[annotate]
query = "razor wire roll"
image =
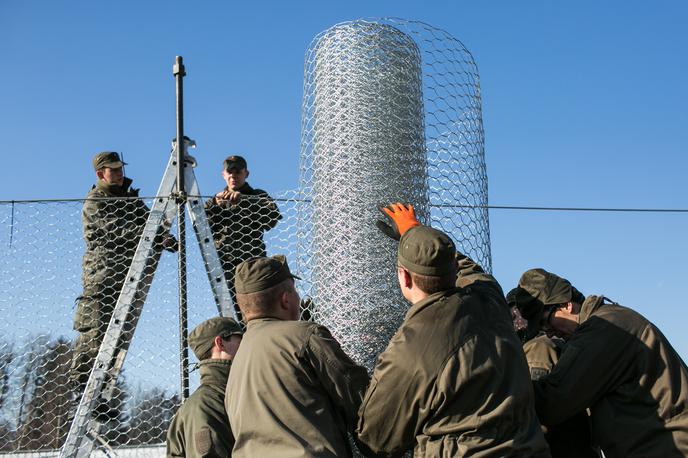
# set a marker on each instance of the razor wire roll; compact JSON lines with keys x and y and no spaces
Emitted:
{"x":391,"y":112}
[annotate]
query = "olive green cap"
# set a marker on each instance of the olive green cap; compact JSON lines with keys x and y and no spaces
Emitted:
{"x":427,"y":251}
{"x":257,"y":274}
{"x":234,"y":162}
{"x":108,"y":159}
{"x":202,"y":338}
{"x":538,"y":289}
{"x":546,"y":287}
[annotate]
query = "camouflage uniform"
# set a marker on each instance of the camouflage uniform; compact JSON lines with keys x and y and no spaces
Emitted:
{"x":621,"y":367}
{"x":200,"y":429}
{"x":453,"y":380}
{"x":113,"y":221}
{"x":238,"y":228}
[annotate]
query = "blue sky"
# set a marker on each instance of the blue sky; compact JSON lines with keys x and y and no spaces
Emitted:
{"x":584,"y":104}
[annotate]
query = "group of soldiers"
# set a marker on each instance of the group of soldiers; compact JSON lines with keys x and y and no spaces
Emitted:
{"x":543,"y":371}
{"x":113,"y":219}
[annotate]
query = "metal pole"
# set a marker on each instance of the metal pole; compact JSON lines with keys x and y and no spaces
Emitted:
{"x":179,"y":73}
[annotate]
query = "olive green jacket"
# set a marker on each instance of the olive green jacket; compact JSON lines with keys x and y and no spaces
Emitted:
{"x":621,"y":367}
{"x":238,"y":228}
{"x":453,"y":380}
{"x":292,"y":392}
{"x":113,"y":220}
{"x":573,"y":437}
{"x":200,"y":428}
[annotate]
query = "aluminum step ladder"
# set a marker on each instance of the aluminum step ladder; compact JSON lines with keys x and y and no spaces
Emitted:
{"x":85,"y":432}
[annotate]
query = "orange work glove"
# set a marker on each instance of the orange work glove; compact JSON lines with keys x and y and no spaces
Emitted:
{"x":404,"y":218}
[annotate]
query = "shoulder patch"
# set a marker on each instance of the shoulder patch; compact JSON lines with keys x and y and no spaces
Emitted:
{"x":203,"y":441}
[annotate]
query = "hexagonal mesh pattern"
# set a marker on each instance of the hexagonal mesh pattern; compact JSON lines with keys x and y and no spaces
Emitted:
{"x":391,"y":112}
{"x":42,"y":273}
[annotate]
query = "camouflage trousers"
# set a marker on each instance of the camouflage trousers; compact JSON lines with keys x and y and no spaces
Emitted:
{"x":91,"y":322}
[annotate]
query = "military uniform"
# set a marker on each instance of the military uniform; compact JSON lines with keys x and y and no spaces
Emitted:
{"x":621,"y":367}
{"x":292,"y":391}
{"x":200,"y":427}
{"x":113,"y":220}
{"x":573,"y":437}
{"x":453,"y":380}
{"x":238,"y":228}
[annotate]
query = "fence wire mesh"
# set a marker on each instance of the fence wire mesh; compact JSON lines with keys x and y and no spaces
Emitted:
{"x":391,"y":111}
{"x":42,"y":273}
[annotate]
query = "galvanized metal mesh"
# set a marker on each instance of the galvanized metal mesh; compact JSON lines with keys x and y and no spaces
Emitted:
{"x":41,"y":253}
{"x":391,"y":112}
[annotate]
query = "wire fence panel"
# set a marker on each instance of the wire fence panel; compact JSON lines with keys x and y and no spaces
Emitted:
{"x":59,"y":281}
{"x":43,"y":278}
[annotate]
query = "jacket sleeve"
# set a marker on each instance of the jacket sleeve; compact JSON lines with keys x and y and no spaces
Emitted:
{"x":471,"y":274}
{"x":391,"y":410}
{"x":175,"y":440}
{"x":594,"y":362}
{"x":344,"y":380}
{"x":200,"y":431}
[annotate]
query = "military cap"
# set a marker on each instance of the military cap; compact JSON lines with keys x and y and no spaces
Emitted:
{"x":427,"y":251}
{"x":202,"y":338}
{"x":107,"y":159}
{"x":234,"y":162}
{"x":538,"y":289}
{"x":258,"y":274}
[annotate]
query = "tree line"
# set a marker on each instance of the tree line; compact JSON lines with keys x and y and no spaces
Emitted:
{"x":37,"y":401}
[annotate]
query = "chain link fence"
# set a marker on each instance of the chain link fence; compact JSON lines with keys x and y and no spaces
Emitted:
{"x":391,"y":111}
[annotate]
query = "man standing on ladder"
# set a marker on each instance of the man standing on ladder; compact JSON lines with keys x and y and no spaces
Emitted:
{"x":113,"y":219}
{"x":238,"y":217}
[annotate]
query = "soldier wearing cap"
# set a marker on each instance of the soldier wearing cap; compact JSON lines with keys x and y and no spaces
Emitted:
{"x":573,"y":437}
{"x":453,"y":380}
{"x":239,"y":215}
{"x":200,"y":428}
{"x":113,"y":219}
{"x":292,"y":390}
{"x":615,"y":363}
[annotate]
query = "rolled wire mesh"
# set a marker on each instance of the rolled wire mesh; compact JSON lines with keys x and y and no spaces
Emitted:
{"x":391,"y":112}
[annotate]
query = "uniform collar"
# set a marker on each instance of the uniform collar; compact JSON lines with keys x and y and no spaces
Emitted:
{"x":590,"y":305}
{"x":420,"y":305}
{"x":256,"y":321}
{"x":214,"y":371}
{"x":114,"y":190}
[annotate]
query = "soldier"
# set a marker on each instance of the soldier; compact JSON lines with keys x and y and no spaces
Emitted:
{"x":453,"y":380}
{"x":292,"y":390}
{"x":573,"y":437}
{"x":238,"y":217}
{"x":615,"y":363}
{"x":113,"y":219}
{"x":200,"y":427}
